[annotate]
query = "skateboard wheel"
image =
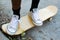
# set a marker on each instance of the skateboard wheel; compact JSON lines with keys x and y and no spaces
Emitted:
{"x":23,"y":34}
{"x":50,"y":19}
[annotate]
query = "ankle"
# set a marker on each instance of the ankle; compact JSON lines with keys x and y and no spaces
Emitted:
{"x":16,"y":12}
{"x":33,"y":10}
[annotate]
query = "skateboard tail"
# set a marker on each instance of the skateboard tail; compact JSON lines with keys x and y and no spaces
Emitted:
{"x":53,"y":9}
{"x":47,"y":12}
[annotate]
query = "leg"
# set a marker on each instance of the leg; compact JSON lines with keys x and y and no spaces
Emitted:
{"x":35,"y":16}
{"x":34,"y":4}
{"x":13,"y":25}
{"x":16,"y":5}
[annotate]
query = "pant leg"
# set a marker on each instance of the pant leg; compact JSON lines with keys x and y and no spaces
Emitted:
{"x":34,"y":4}
{"x":16,"y":6}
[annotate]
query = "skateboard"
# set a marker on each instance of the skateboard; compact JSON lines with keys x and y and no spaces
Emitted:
{"x":26,"y":23}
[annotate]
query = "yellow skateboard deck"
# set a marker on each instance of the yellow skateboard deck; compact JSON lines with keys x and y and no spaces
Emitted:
{"x":26,"y":23}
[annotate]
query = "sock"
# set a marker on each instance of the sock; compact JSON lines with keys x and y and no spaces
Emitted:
{"x":17,"y":12}
{"x":34,"y":4}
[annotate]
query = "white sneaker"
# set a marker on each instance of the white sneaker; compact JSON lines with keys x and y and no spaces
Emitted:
{"x":13,"y":25}
{"x":35,"y":18}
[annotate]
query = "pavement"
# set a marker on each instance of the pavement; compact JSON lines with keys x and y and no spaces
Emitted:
{"x":49,"y":31}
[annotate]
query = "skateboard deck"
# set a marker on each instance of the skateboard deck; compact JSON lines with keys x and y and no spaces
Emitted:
{"x":26,"y":23}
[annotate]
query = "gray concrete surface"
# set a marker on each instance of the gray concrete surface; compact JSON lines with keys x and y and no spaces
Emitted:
{"x":2,"y":37}
{"x":50,"y":30}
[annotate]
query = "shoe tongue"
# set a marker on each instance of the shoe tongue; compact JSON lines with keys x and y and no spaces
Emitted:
{"x":36,"y":16}
{"x":14,"y":20}
{"x":15,"y":16}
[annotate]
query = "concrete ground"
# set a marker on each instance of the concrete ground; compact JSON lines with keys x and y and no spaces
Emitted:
{"x":49,"y":31}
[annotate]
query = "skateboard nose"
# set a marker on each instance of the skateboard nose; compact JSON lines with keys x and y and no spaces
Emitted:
{"x":54,"y":9}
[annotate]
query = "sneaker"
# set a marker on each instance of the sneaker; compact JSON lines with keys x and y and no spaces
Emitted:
{"x":35,"y":18}
{"x":13,"y":25}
